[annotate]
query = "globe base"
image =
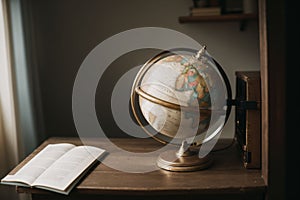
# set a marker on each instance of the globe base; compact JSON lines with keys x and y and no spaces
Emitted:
{"x":172,"y":160}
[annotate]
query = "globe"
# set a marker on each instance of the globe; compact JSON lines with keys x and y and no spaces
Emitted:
{"x":182,"y":94}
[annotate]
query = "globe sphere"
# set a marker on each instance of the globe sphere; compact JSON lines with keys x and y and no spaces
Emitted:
{"x":182,"y":94}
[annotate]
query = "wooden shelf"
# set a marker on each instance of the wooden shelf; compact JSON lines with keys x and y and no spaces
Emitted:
{"x":242,"y":18}
{"x":225,"y":17}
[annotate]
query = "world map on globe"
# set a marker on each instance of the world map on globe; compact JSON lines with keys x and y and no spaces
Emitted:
{"x":179,"y":96}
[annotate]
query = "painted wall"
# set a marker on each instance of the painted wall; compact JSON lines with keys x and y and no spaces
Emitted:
{"x":66,"y":31}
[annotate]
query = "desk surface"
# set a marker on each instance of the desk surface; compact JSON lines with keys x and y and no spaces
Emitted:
{"x":226,"y":175}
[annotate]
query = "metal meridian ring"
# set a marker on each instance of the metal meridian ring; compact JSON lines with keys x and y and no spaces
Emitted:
{"x":167,"y":104}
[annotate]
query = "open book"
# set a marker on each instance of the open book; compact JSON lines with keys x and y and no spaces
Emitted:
{"x":58,"y":167}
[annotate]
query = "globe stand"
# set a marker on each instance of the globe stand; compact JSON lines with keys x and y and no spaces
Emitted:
{"x":183,"y":160}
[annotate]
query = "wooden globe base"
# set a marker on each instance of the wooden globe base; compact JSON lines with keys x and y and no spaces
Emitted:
{"x":171,"y":160}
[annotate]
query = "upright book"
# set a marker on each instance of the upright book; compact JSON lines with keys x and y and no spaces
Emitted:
{"x":58,"y":167}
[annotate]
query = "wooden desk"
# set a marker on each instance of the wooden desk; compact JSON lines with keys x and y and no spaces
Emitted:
{"x":226,"y":178}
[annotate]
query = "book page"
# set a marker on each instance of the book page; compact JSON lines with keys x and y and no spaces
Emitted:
{"x":62,"y":174}
{"x":38,"y":164}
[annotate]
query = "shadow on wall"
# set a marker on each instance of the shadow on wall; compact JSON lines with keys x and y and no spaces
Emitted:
{"x":66,"y":31}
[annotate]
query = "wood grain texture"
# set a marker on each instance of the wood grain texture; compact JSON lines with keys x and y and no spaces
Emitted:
{"x":264,"y":88}
{"x":272,"y":26}
{"x":276,"y":52}
{"x":226,"y":176}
